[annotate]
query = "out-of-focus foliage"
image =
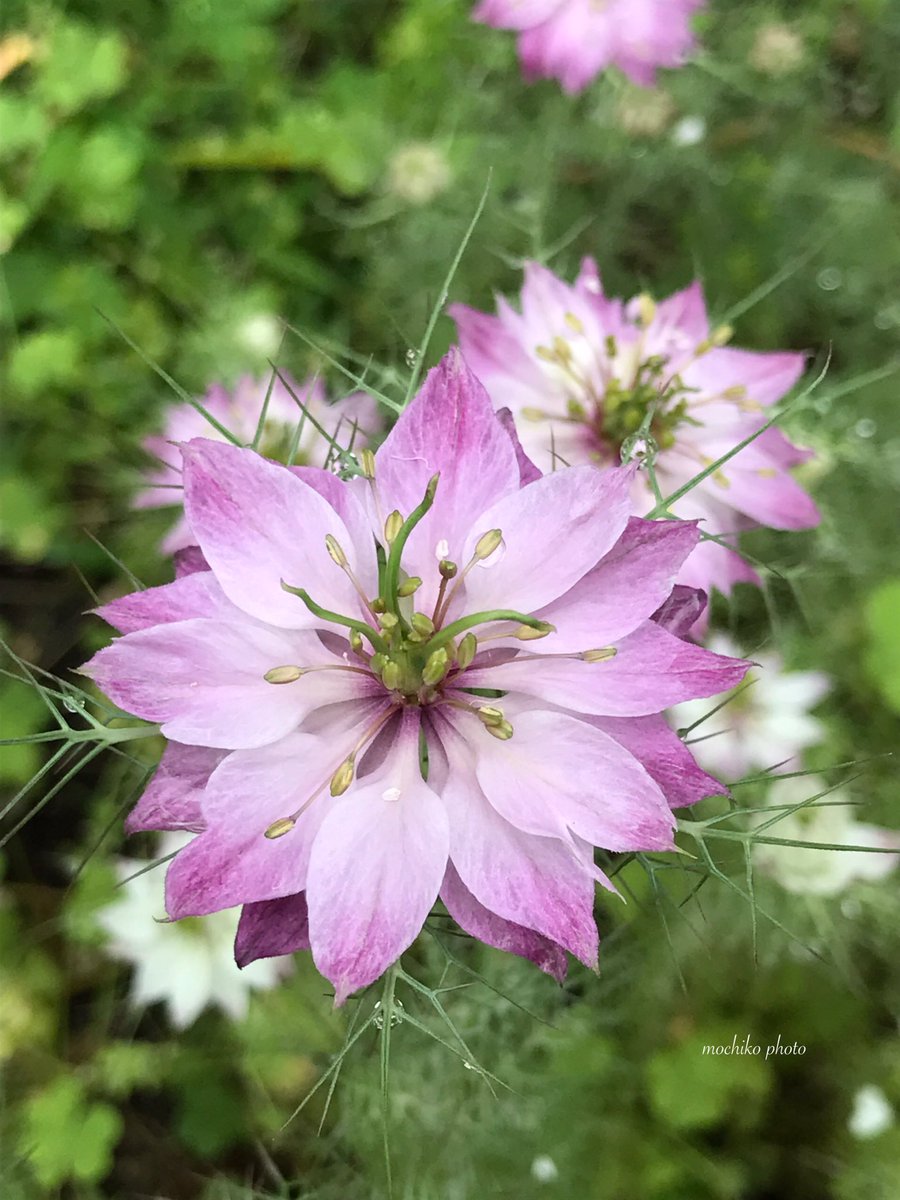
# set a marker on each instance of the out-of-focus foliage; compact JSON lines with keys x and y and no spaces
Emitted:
{"x":189,"y":174}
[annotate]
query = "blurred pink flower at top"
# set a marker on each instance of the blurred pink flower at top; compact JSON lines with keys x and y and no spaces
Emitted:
{"x":581,"y":372}
{"x":574,"y":40}
{"x":238,"y":410}
{"x":458,"y":693}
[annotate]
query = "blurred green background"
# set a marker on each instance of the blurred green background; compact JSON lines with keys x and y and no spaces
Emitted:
{"x":189,"y":175}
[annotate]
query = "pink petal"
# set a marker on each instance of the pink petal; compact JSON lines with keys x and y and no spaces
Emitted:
{"x":623,"y":590}
{"x":528,"y":472}
{"x":558,"y":771}
{"x":538,"y":882}
{"x":258,"y":524}
{"x":376,"y":867}
{"x":452,"y":429}
{"x":171,"y":800}
{"x":681,"y":612}
{"x":232,"y":861}
{"x":272,"y":928}
{"x":487,"y":927}
{"x":193,"y":595}
{"x":188,"y":560}
{"x":665,"y":756}
{"x":766,"y":376}
{"x":514,"y":14}
{"x":204,"y":680}
{"x":554,"y":531}
{"x":652,"y":671}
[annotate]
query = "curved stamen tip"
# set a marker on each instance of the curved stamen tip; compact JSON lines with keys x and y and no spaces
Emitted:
{"x":447,"y":568}
{"x":285,"y":674}
{"x":487,"y":544}
{"x":468,"y":648}
{"x":502,"y":731}
{"x":603,"y":655}
{"x":392,"y":526}
{"x":530,"y":633}
{"x":432,"y":486}
{"x":367,"y":463}
{"x":410,"y":586}
{"x":280,"y":827}
{"x":436,"y":667}
{"x":488,"y":715}
{"x":335,"y":553}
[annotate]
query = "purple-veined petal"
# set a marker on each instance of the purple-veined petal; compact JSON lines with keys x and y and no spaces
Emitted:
{"x":194,"y":595}
{"x":271,"y":928}
{"x":665,"y":756}
{"x":528,"y":472}
{"x":485,"y":925}
{"x":171,"y":800}
{"x":681,"y":612}
{"x":188,"y":560}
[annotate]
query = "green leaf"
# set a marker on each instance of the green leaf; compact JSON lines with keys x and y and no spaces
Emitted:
{"x":882,"y":654}
{"x":67,"y":1136}
{"x":82,"y":64}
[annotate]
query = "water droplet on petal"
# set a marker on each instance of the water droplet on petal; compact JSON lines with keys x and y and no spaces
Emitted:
{"x":639,"y":449}
{"x":391,"y":794}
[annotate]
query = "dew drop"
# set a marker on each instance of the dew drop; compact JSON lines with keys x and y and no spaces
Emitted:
{"x":70,"y":704}
{"x":639,"y":449}
{"x":865,"y":428}
{"x":411,"y":357}
{"x":396,"y":1015}
{"x":830,"y":278}
{"x":391,"y":794}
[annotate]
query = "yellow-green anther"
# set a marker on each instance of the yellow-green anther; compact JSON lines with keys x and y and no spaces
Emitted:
{"x":391,"y":675}
{"x":335,"y":552}
{"x":722,"y":335}
{"x":377,"y":605}
{"x":342,"y":778}
{"x":283,"y":674}
{"x":356,"y":642}
{"x":468,"y":648}
{"x":490,"y":716}
{"x":367,"y":463}
{"x":436,"y":667}
{"x":422,"y":623}
{"x":502,"y":731}
{"x":533,"y":414}
{"x":574,"y":323}
{"x":562,"y":348}
{"x":576,"y":411}
{"x":612,"y":348}
{"x":604,"y":655}
{"x":388,"y":620}
{"x":487,"y":544}
{"x":525,"y":633}
{"x":280,"y":827}
{"x":409,"y":586}
{"x":392,"y":526}
{"x":447,"y":568}
{"x":545,"y":353}
{"x":646,"y":309}
{"x":738,"y":392}
{"x":377,"y":662}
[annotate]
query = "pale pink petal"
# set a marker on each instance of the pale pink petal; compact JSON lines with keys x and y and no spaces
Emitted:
{"x":565,"y":522}
{"x":189,"y":560}
{"x":203,"y":680}
{"x":528,"y":472}
{"x":232,"y":861}
{"x":271,"y":928}
{"x":557,"y":773}
{"x":171,"y":800}
{"x":651,"y":671}
{"x":376,"y":868}
{"x":515,"y":14}
{"x":623,"y":590}
{"x":485,"y":925}
{"x":193,"y":595}
{"x":539,"y":882}
{"x":767,"y":377}
{"x":258,"y":524}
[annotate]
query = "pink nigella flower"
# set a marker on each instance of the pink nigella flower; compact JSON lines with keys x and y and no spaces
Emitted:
{"x":440,"y":679}
{"x":581,"y":372}
{"x":574,"y":40}
{"x":239,"y":410}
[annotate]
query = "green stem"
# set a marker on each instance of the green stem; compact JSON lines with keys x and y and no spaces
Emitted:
{"x":336,"y":619}
{"x":392,"y":570}
{"x":449,"y":632}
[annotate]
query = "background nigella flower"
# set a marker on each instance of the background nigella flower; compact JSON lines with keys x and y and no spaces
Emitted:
{"x":828,"y":822}
{"x":186,"y":965}
{"x":581,"y":372}
{"x":765,"y":726}
{"x":238,"y":409}
{"x":463,"y":712}
{"x":574,"y":40}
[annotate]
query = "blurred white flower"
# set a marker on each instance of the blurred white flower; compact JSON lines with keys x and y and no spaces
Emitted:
{"x":418,"y":172}
{"x":829,"y":821}
{"x":187,"y":965}
{"x":544,"y":1169}
{"x":776,"y":49}
{"x":689,"y":131}
{"x":764,"y":726}
{"x":261,"y":333}
{"x":872,"y":1113}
